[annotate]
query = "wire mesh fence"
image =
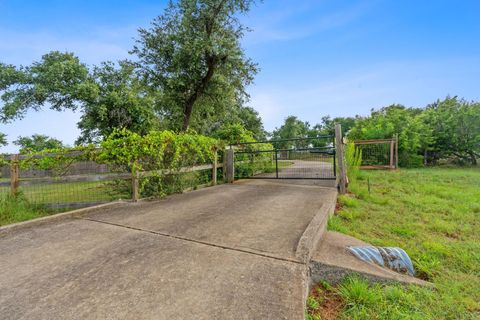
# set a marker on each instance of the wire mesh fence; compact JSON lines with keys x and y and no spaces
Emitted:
{"x":4,"y":180}
{"x":72,"y":183}
{"x":378,"y":154}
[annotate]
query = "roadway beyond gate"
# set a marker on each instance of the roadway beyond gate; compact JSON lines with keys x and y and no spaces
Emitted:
{"x":299,"y":158}
{"x":235,"y":251}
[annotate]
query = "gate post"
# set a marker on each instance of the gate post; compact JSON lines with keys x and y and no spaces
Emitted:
{"x":214,"y":167}
{"x":276,"y":163}
{"x":396,"y":151}
{"x":230,"y":169}
{"x":14,"y":174}
{"x":342,"y":170}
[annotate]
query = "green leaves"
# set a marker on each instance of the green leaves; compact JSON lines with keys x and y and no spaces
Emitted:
{"x":37,"y":143}
{"x":455,"y":126}
{"x":156,"y":150}
{"x":119,"y":101}
{"x":414,"y":135}
{"x":58,"y":79}
{"x":3,"y":139}
{"x":192,"y":55}
{"x":190,"y":69}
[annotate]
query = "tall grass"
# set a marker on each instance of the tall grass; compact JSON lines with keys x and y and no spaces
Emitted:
{"x":17,"y":208}
{"x":353,"y":159}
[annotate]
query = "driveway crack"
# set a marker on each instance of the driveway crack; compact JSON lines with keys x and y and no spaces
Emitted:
{"x":158,"y":233}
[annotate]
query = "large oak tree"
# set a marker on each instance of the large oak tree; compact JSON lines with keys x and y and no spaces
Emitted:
{"x":192,"y":55}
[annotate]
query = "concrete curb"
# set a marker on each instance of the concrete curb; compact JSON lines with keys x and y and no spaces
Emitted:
{"x":313,"y":233}
{"x":9,"y":228}
{"x":373,"y":274}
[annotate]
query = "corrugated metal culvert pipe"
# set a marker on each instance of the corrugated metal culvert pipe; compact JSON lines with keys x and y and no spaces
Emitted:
{"x":392,"y":258}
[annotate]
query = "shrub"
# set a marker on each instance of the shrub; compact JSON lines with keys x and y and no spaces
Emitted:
{"x":165,"y":152}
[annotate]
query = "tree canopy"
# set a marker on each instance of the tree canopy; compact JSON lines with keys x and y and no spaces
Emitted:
{"x":58,"y":79}
{"x":37,"y":143}
{"x":445,"y":129}
{"x":118,"y":100}
{"x":454,"y":126}
{"x":189,"y":70}
{"x":3,"y":139}
{"x":192,"y":55}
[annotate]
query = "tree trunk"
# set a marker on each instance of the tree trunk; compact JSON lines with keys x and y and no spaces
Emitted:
{"x":187,"y":114}
{"x":473,"y":158}
{"x":199,"y":91}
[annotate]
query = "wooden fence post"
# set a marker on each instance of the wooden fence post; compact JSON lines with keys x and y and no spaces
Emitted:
{"x":14,"y":174}
{"x":342,"y":170}
{"x":230,"y":169}
{"x":214,"y":168}
{"x":396,"y":151}
{"x":135,"y":185}
{"x":392,"y":154}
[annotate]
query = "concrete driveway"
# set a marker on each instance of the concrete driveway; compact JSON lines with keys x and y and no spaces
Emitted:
{"x":226,"y":252}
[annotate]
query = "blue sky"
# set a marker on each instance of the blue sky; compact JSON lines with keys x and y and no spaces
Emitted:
{"x":338,"y":58}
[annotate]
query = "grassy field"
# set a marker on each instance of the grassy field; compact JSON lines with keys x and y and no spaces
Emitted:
{"x":434,"y":214}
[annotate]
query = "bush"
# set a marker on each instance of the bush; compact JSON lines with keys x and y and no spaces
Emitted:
{"x":163,"y":151}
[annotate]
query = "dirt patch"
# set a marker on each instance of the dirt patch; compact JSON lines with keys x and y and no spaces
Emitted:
{"x":422,"y":276}
{"x":338,"y":207}
{"x":330,"y":304}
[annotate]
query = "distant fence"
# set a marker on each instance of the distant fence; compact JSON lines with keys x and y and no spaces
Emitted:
{"x":85,"y":183}
{"x":379,"y":153}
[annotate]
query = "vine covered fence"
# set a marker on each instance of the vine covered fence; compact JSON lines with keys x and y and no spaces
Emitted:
{"x":127,"y":166}
{"x":75,"y":183}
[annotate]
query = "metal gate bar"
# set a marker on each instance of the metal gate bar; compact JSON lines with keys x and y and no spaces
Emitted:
{"x":297,"y":158}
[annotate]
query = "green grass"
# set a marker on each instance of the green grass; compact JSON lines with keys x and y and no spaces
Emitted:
{"x":44,"y":199}
{"x":68,"y":192}
{"x":434,"y":214}
{"x":17,"y":209}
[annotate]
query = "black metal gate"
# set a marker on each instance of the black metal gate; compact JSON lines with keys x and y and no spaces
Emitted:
{"x":299,"y":158}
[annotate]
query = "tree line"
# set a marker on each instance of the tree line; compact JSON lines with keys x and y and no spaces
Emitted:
{"x":447,"y":130}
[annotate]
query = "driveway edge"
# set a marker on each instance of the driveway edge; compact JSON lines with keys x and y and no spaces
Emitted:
{"x":314,"y":231}
{"x":9,"y":228}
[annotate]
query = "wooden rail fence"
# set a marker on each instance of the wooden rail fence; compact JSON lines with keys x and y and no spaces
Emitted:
{"x":16,"y":182}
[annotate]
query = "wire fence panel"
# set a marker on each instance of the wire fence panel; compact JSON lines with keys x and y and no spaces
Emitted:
{"x":61,"y":182}
{"x":381,"y":154}
{"x":4,"y":181}
{"x":73,"y":184}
